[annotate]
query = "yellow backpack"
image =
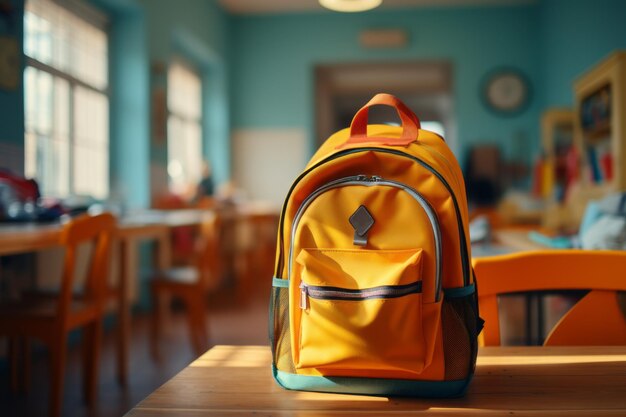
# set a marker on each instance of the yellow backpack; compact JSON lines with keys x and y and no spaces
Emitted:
{"x":373,"y":290}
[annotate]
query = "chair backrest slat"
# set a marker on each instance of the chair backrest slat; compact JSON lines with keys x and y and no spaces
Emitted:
{"x":207,"y":250}
{"x":98,"y":230}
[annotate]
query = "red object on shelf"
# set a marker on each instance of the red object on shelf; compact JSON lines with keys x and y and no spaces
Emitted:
{"x":606,"y":162}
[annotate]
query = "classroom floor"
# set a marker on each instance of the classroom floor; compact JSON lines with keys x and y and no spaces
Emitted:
{"x":230,"y":323}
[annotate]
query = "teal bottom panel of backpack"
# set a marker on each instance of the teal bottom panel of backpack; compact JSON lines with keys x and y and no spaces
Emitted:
{"x":372,"y":386}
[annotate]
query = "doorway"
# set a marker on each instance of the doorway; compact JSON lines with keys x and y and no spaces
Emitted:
{"x":424,"y":86}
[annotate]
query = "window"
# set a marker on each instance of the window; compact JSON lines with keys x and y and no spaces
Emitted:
{"x":66,"y":101}
{"x":184,"y":128}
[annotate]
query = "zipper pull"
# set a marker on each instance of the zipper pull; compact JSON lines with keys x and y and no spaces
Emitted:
{"x":304,"y":296}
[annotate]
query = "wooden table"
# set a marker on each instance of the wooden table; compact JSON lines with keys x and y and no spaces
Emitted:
{"x":30,"y":237}
{"x":133,"y":228}
{"x":537,"y":381}
{"x":517,"y":240}
{"x":504,"y":241}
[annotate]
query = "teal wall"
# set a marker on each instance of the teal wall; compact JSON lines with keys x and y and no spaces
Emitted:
{"x":576,"y":34}
{"x":274,"y":59}
{"x":129,"y":105}
{"x":12,"y":102}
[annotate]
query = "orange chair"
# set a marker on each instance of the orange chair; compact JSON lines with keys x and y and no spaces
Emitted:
{"x":190,"y":285}
{"x":597,"y":319}
{"x":51,"y":319}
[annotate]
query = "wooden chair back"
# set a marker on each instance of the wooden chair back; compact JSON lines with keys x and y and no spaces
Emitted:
{"x":207,"y":250}
{"x":99,"y":230}
{"x":597,"y":319}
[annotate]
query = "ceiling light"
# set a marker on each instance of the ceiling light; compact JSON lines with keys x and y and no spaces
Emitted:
{"x":350,"y":5}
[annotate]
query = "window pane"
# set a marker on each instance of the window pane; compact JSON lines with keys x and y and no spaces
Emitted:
{"x":185,"y":160}
{"x":47,"y":131}
{"x":184,"y":91}
{"x":91,"y":117}
{"x":52,"y":165}
{"x":91,"y":171}
{"x":30,"y":155}
{"x":176,"y":154}
{"x":30,"y":98}
{"x":41,"y":18}
{"x":88,"y":52}
{"x":90,"y":150}
{"x":44,"y":99}
{"x":30,"y":34}
{"x":193,"y":151}
{"x":59,"y":38}
{"x":61,"y":108}
{"x":184,"y":142}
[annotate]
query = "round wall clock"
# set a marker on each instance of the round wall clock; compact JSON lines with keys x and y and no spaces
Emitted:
{"x":506,"y":91}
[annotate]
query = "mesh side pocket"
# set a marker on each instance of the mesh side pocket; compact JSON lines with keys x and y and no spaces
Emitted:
{"x":465,"y":310}
{"x":456,"y":342}
{"x":470,"y":315}
{"x":280,"y":337}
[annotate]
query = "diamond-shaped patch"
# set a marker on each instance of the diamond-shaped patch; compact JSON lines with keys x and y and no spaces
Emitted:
{"x":362,"y":221}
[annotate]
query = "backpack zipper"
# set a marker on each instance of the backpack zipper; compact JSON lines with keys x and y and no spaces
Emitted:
{"x":335,"y":293}
{"x":459,"y":219}
{"x":368,"y":182}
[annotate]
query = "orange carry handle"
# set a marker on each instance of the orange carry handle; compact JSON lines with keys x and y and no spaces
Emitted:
{"x":358,"y":127}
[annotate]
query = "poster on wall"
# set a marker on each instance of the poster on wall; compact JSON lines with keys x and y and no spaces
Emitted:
{"x":9,"y":63}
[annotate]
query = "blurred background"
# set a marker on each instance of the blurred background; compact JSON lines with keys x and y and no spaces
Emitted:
{"x":161,"y":111}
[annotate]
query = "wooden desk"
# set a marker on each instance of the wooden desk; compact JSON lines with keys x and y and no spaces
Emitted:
{"x":30,"y":237}
{"x":517,"y":240}
{"x":505,"y":241}
{"x":23,"y":238}
{"x":538,"y":381}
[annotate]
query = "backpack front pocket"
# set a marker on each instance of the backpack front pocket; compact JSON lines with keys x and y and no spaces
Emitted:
{"x":360,"y":311}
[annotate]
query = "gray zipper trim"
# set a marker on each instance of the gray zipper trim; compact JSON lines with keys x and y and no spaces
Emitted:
{"x":336,"y":293}
{"x":369,"y":182}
